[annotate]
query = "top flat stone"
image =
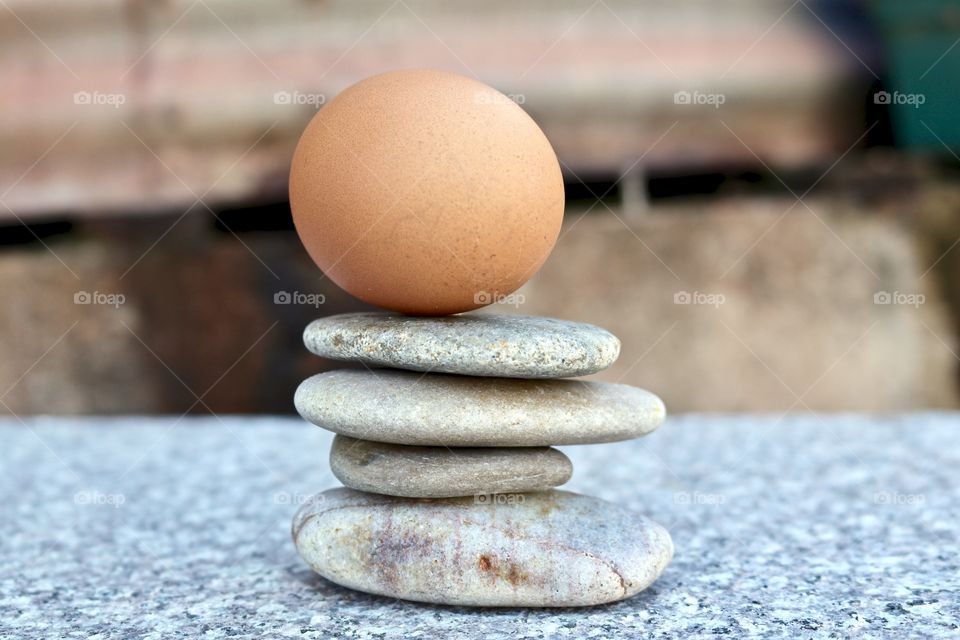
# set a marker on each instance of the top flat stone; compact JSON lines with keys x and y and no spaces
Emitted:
{"x":470,"y":344}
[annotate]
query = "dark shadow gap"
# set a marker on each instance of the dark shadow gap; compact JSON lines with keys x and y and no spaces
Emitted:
{"x":25,"y":234}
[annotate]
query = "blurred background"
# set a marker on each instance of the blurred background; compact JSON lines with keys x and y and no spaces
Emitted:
{"x":763,"y":195}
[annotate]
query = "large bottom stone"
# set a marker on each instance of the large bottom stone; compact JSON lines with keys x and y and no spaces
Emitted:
{"x":544,"y":549}
{"x":445,"y":472}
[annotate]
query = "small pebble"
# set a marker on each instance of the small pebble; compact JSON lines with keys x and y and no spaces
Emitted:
{"x":444,"y":472}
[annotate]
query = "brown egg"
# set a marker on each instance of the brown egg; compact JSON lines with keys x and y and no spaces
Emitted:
{"x":426,"y":192}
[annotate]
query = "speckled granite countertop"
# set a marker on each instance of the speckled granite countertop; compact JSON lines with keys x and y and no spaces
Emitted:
{"x":808,"y":527}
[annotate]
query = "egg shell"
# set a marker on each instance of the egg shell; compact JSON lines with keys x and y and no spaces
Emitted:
{"x":426,"y":192}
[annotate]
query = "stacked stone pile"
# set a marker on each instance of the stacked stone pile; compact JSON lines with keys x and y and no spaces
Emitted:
{"x":445,"y":444}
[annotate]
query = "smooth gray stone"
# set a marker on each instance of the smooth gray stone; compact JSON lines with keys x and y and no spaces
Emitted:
{"x":470,"y":344}
{"x":543,"y":549}
{"x":442,"y":472}
{"x":430,"y":409}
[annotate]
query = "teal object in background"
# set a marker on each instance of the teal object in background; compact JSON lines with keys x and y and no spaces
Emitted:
{"x":922,"y":40}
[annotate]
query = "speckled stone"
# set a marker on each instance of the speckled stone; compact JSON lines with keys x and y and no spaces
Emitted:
{"x":469,"y":344}
{"x":430,"y":409}
{"x":796,"y":526}
{"x":444,"y":472}
{"x":543,"y":549}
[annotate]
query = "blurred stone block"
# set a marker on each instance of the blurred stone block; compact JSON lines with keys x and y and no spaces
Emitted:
{"x":735,"y":308}
{"x":198,"y":315}
{"x":724,"y":306}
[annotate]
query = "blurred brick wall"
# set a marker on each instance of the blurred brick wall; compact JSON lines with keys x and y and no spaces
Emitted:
{"x":141,"y":105}
{"x":135,"y":121}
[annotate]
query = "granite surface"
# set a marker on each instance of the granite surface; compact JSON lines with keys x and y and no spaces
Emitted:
{"x":810,"y":527}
